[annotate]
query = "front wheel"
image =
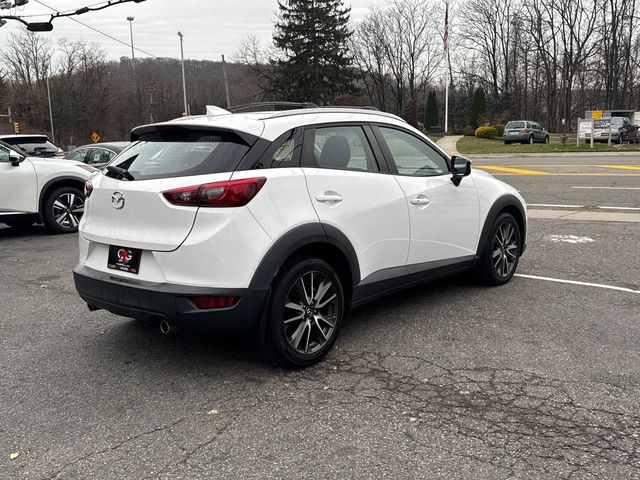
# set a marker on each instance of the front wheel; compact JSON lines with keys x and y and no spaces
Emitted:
{"x":502,"y":251}
{"x":63,"y":209}
{"x":306,"y":312}
{"x":546,"y":139}
{"x":531,"y":140}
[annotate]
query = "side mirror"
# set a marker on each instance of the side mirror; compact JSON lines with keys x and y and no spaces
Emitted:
{"x":15,"y":158}
{"x":460,"y":168}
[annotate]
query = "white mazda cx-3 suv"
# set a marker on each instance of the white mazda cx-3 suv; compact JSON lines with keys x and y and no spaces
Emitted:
{"x":280,"y":222}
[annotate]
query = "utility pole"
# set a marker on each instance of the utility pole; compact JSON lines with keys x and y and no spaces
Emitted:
{"x":226,"y":82}
{"x":184,"y":81}
{"x":53,"y":135}
{"x":133,"y":54}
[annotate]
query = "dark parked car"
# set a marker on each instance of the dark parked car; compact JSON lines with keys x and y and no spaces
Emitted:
{"x":33,"y":145}
{"x":524,"y":131}
{"x":97,"y":154}
{"x":630,"y":134}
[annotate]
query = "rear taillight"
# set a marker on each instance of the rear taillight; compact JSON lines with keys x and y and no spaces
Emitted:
{"x":59,"y":153}
{"x":525,"y":130}
{"x":213,"y":303}
{"x":88,"y":188}
{"x":234,"y":193}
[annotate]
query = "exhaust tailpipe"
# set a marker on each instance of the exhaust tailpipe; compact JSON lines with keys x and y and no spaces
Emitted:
{"x":165,"y":327}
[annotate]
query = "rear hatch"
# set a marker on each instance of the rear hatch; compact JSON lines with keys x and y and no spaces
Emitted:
{"x":516,"y":128}
{"x":126,"y":205}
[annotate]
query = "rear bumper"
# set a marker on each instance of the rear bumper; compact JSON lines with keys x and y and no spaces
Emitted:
{"x":145,"y":300}
{"x":516,"y":137}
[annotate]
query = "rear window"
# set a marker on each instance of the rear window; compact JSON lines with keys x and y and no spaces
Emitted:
{"x":511,"y":125}
{"x":182,"y":153}
{"x":18,"y":140}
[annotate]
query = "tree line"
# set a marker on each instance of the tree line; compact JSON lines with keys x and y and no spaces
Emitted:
{"x":91,"y":94}
{"x":546,"y":61}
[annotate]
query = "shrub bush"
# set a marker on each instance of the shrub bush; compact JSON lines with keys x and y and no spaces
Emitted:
{"x":486,"y":131}
{"x":499,"y":129}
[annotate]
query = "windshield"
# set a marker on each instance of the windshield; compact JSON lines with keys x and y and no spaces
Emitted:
{"x":180,"y":153}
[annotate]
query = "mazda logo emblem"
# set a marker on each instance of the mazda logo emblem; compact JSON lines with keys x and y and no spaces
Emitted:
{"x":117,"y":200}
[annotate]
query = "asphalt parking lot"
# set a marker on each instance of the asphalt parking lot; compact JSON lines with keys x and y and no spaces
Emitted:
{"x":534,"y":380}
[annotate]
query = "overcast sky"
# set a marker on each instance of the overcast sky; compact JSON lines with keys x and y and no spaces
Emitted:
{"x":210,"y":27}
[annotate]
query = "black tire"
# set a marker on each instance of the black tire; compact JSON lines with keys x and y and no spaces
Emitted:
{"x":532,"y":140}
{"x":300,"y":329}
{"x":492,"y":271}
{"x":20,"y":222}
{"x":63,"y":209}
{"x":507,"y":142}
{"x":546,"y":139}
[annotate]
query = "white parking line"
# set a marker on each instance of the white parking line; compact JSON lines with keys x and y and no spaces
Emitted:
{"x":607,"y":188}
{"x":594,"y":207}
{"x":574,"y":282}
{"x":553,"y":206}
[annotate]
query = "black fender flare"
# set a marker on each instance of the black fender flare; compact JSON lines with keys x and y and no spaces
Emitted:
{"x":64,"y":180}
{"x":297,"y":238}
{"x":507,"y":201}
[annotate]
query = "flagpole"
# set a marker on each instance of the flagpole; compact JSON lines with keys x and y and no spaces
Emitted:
{"x":446,"y":103}
{"x":446,"y":76}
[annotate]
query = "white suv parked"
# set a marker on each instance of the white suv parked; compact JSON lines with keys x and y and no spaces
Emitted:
{"x":34,"y":190}
{"x":280,"y":222}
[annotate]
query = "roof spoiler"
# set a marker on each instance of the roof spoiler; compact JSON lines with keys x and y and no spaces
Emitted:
{"x":213,"y":111}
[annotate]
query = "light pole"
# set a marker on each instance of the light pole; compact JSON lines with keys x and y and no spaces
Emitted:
{"x":184,"y":82}
{"x":53,"y":135}
{"x":133,"y":55}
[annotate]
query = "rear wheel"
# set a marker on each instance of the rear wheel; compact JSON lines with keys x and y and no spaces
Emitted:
{"x":502,"y":251}
{"x":507,"y":142}
{"x":306,"y":312}
{"x":63,"y":209}
{"x":546,"y":139}
{"x":531,"y":140}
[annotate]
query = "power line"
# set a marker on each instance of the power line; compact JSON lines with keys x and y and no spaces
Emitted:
{"x":98,"y":31}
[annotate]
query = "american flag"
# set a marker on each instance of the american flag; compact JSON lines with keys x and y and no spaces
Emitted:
{"x":446,"y":27}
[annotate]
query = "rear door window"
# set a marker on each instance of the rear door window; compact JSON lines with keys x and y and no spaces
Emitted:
{"x":181,"y":152}
{"x":341,"y":147}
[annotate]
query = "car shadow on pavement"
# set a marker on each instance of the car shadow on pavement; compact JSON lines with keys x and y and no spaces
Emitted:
{"x":16,"y":232}
{"x":186,"y":350}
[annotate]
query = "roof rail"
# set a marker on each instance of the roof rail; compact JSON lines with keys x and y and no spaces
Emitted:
{"x":262,"y":106}
{"x":366,"y":107}
{"x":308,"y":111}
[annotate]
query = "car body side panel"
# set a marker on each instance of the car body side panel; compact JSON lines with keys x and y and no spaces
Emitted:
{"x":493,"y":192}
{"x":18,"y":188}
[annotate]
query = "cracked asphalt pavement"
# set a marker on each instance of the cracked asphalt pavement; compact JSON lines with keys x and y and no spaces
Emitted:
{"x":451,"y":380}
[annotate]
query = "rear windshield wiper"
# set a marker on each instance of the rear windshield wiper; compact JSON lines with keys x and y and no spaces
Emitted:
{"x":120,"y":172}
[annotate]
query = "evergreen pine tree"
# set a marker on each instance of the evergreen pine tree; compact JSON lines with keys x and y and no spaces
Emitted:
{"x":478,"y":107}
{"x":315,"y":65}
{"x":431,"y":116}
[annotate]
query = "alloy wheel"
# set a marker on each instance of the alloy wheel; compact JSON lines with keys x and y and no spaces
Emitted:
{"x":68,"y":209}
{"x":310,"y":313}
{"x":505,"y":249}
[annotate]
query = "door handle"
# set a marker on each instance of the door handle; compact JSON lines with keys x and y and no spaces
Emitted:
{"x":329,"y":197}
{"x":420,"y":200}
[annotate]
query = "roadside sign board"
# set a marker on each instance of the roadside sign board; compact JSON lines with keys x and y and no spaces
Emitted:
{"x":95,"y":137}
{"x":584,"y":128}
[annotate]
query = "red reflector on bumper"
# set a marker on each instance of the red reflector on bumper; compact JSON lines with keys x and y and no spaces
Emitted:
{"x":213,"y":303}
